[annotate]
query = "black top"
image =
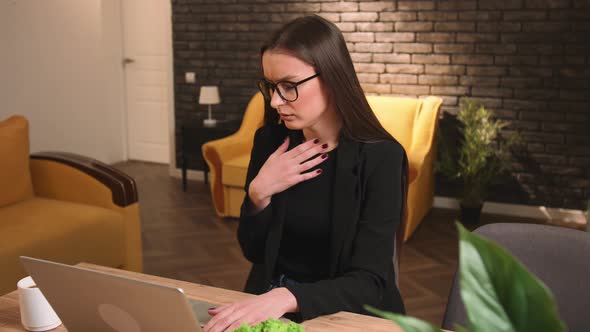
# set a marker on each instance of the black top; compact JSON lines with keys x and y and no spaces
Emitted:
{"x":304,"y":254}
{"x":366,"y":210}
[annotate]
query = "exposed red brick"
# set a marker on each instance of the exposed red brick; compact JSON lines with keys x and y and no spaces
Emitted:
{"x":527,"y":60}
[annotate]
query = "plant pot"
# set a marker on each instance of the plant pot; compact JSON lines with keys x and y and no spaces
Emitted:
{"x":470,"y":214}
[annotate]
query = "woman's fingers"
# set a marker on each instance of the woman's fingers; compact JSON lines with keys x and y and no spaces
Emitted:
{"x":302,"y":162}
{"x":311,"y":152}
{"x":220,"y":320}
{"x":241,"y":314}
{"x":250,"y":317}
{"x":251,"y":311}
{"x":301,"y":148}
{"x":302,"y":152}
{"x":285,"y":168}
{"x":214,"y":311}
{"x":245,"y":319}
{"x":304,"y":167}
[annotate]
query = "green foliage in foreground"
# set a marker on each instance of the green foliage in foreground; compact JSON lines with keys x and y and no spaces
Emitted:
{"x":499,"y":293}
{"x":271,"y":325}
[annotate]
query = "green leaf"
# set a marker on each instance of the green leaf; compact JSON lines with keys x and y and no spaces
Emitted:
{"x":408,"y":324}
{"x":459,"y":328}
{"x":499,"y":293}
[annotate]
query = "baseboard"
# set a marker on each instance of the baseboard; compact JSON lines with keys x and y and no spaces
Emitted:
{"x":190,"y":174}
{"x":565,"y":217}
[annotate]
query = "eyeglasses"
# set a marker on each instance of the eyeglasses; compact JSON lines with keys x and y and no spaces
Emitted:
{"x":287,"y":90}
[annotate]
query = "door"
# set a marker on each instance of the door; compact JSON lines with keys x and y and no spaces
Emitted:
{"x":147,"y":49}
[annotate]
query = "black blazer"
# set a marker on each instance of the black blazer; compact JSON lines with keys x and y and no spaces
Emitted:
{"x":367,"y":209}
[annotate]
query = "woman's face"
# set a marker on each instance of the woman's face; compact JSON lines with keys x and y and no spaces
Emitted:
{"x":312,"y":107}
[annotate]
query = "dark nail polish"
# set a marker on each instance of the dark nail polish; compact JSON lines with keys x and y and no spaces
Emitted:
{"x":319,"y":171}
{"x":324,"y":156}
{"x":325,"y":146}
{"x":316,"y":141}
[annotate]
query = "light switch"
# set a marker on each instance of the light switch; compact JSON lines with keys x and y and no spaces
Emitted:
{"x":190,"y":77}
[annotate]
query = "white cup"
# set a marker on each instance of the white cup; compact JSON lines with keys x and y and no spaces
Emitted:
{"x":35,"y":312}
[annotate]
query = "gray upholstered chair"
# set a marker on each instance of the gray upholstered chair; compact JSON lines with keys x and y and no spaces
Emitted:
{"x":560,"y":257}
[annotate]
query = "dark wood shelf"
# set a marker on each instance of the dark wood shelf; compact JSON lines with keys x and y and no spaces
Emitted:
{"x":194,"y":135}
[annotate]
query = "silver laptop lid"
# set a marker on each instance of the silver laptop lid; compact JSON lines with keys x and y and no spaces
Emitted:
{"x":87,"y":300}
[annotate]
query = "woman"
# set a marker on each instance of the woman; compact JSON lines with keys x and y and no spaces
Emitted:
{"x":325,"y":188}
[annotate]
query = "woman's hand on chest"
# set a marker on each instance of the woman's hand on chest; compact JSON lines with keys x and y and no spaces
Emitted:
{"x":284,"y":169}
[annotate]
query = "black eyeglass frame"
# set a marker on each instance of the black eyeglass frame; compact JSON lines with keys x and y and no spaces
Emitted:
{"x":263,"y":84}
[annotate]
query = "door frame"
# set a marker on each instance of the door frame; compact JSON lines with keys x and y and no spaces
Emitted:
{"x":171,"y":99}
{"x":170,"y":75}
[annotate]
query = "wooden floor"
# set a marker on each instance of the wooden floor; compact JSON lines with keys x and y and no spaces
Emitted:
{"x":184,"y":239}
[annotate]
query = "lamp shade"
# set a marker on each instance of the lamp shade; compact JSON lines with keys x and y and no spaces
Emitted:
{"x":209,"y":95}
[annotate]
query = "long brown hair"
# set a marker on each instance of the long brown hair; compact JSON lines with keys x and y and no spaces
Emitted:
{"x":320,"y":43}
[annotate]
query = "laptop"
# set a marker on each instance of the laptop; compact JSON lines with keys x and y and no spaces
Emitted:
{"x":87,"y":300}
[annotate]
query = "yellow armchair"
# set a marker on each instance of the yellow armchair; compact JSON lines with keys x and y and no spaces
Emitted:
{"x":62,"y":207}
{"x":228,"y":160}
{"x":413,"y":123}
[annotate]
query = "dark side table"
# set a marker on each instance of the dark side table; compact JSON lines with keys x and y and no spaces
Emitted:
{"x":194,"y":135}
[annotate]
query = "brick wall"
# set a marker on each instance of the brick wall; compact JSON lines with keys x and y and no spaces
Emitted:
{"x":528,"y":60}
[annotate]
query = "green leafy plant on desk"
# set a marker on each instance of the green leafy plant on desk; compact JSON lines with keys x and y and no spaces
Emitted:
{"x":498,"y":292}
{"x":271,"y":325}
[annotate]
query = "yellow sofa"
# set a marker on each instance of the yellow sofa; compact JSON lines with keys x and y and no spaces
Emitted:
{"x":411,"y":121}
{"x":62,"y":207}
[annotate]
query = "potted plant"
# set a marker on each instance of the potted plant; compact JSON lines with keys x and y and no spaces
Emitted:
{"x":477,"y":157}
{"x":492,"y":307}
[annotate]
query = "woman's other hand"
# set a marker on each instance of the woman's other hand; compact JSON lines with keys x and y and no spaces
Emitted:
{"x":252,"y":311}
{"x":284,"y":169}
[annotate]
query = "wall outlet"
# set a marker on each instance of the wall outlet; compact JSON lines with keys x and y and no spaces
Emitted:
{"x":190,"y":77}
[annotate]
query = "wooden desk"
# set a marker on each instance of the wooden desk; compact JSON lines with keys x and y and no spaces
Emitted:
{"x":342,"y":321}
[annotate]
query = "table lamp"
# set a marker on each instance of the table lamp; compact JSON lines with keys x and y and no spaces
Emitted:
{"x":209,"y":95}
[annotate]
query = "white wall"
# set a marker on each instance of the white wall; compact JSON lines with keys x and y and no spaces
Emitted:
{"x":60,"y":66}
